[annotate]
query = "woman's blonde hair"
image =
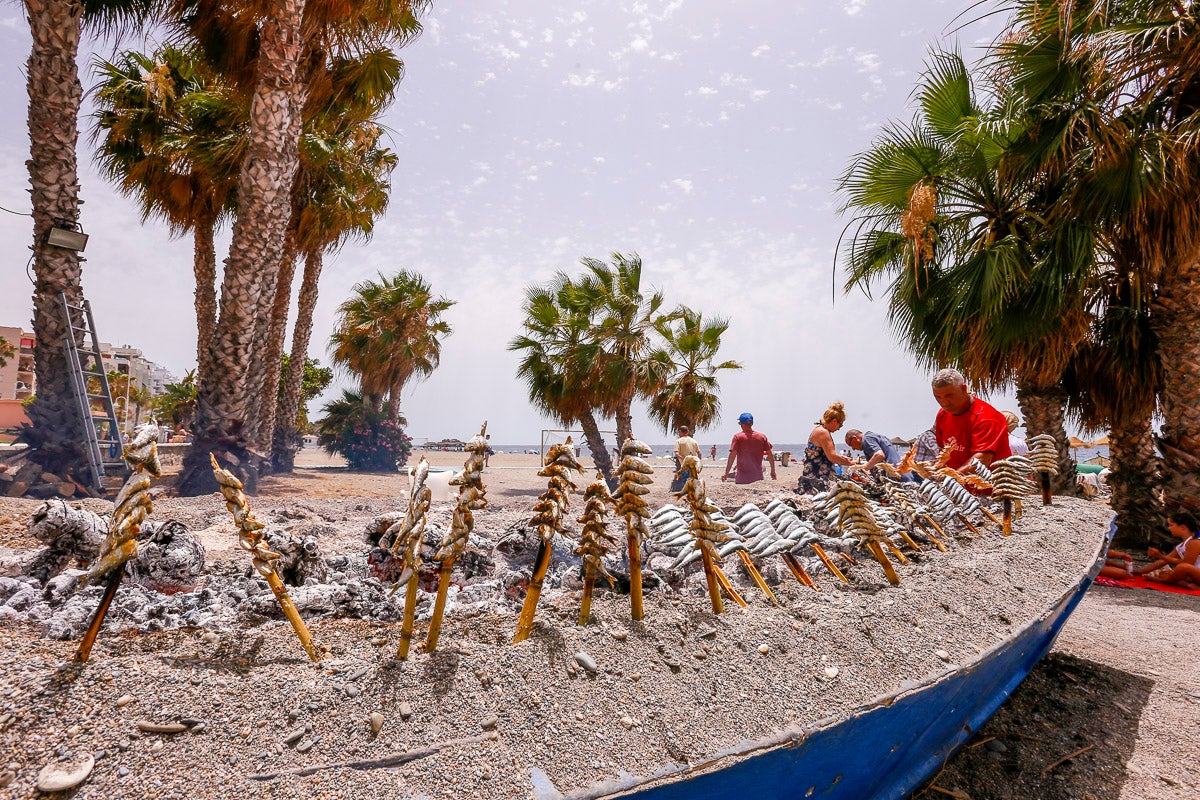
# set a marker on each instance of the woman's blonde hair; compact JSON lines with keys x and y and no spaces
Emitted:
{"x":836,"y":411}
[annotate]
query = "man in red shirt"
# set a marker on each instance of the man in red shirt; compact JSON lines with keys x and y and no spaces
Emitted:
{"x":748,"y":448}
{"x":978,"y":430}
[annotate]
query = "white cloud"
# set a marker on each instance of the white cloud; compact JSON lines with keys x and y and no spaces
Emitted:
{"x":683,"y":185}
{"x":853,"y":7}
{"x":762,"y":49}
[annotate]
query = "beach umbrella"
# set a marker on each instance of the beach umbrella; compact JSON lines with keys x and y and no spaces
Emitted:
{"x":1075,"y":443}
{"x":1101,"y":442}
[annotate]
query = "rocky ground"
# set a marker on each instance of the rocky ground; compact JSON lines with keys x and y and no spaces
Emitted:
{"x":202,"y":707}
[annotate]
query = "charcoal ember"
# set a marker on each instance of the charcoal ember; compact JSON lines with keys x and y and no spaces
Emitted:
{"x":376,"y":528}
{"x":170,"y":558}
{"x":519,"y":543}
{"x":475,"y":563}
{"x":383,"y":566}
{"x":299,"y":558}
{"x":69,"y":533}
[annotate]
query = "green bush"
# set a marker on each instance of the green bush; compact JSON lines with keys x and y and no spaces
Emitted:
{"x":365,"y":437}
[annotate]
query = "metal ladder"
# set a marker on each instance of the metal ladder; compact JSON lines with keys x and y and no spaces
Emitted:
{"x":97,"y":445}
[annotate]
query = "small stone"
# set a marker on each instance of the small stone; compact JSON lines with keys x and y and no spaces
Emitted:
{"x":635,"y":676}
{"x":59,"y":776}
{"x":157,"y":747}
{"x":943,"y":655}
{"x":700,"y":654}
{"x":627,"y":722}
{"x":293,"y":715}
{"x":376,"y":722}
{"x":620,"y":634}
{"x":997,"y":746}
{"x":244,"y":733}
{"x":764,"y":648}
{"x":191,"y":722}
{"x":305,"y":746}
{"x":405,"y":710}
{"x":832,"y":672}
{"x":489,"y":722}
{"x":358,"y":674}
{"x":351,"y":690}
{"x":124,"y":700}
{"x":122,"y":771}
{"x":210,"y":637}
{"x":294,"y":735}
{"x":6,"y":778}
{"x":379,"y":641}
{"x":585,"y":661}
{"x":199,"y":728}
{"x":707,"y":633}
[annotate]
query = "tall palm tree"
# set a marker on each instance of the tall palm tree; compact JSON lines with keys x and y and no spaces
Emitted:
{"x":558,"y":352}
{"x":1128,"y":127}
{"x":171,"y":135}
{"x":977,"y":276}
{"x":388,"y":333}
{"x":55,"y":93}
{"x":691,"y":394}
{"x":623,"y":323}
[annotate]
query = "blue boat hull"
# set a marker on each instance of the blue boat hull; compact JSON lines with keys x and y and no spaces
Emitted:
{"x":886,"y":749}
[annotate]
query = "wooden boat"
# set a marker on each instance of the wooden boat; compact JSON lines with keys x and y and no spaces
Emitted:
{"x":886,"y":749}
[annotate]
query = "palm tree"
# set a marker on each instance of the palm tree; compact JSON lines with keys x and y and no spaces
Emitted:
{"x":691,"y":395}
{"x":177,"y":403}
{"x":171,"y":135}
{"x":623,"y":323}
{"x":1117,"y":86}
{"x":978,"y":277}
{"x":54,"y":97}
{"x":558,"y":353}
{"x":389,"y":333}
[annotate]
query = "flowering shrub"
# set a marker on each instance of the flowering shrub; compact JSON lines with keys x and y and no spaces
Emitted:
{"x":366,"y":438}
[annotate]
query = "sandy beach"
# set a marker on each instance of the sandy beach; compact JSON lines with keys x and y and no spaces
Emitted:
{"x":484,"y":718}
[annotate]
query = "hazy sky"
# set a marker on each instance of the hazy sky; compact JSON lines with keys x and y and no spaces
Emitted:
{"x":706,"y":137}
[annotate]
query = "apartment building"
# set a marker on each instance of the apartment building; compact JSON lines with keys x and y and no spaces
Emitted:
{"x":16,"y":377}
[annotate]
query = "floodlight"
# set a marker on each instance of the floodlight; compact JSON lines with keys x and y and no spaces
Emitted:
{"x":67,"y":238}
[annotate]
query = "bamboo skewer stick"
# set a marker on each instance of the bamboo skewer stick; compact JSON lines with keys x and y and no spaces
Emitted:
{"x":1008,"y":515}
{"x":936,"y":542}
{"x":909,"y":540}
{"x":990,"y":515}
{"x":757,"y":577}
{"x":829,"y":565}
{"x":1045,"y":482}
{"x":585,"y":604}
{"x":631,"y":504}
{"x":533,"y":593}
{"x":439,"y":605}
{"x":799,"y":572}
{"x":895,"y":550}
{"x":471,"y":497}
{"x":933,"y":523}
{"x":874,"y":548}
{"x":130,"y":507}
{"x":635,"y":570}
{"x":89,"y":638}
{"x":963,"y":518}
{"x":723,"y":580}
{"x":406,"y":627}
{"x":710,"y":577}
{"x":251,"y":539}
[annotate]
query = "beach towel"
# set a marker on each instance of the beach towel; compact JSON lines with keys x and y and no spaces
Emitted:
{"x":1138,"y":582}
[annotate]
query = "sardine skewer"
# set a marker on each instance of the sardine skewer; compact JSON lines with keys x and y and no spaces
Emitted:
{"x":829,"y":565}
{"x":757,"y":577}
{"x":798,"y":571}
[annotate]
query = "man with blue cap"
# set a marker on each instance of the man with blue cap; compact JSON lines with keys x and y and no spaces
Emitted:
{"x":747,"y":449}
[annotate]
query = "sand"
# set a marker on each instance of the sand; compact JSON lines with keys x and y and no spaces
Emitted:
{"x":492,"y":719}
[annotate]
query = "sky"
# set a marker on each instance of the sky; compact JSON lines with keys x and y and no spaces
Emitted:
{"x":530,"y":135}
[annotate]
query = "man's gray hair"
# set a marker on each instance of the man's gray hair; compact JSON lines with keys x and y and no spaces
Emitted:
{"x":948,"y":377}
{"x":850,"y":434}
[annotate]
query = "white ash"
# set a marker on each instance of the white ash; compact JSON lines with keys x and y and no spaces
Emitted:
{"x":170,"y":558}
{"x":72,"y":535}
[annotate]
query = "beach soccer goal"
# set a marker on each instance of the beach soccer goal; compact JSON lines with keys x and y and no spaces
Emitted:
{"x":552,"y":437}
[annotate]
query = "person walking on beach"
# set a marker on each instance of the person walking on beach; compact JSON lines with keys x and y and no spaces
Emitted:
{"x":747,"y":449}
{"x":685,"y":446}
{"x":1015,"y":443}
{"x":712,"y":452}
{"x":876,"y":447}
{"x":820,"y":456}
{"x":978,"y":430}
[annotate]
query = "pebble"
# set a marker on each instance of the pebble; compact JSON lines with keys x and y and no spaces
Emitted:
{"x":157,"y":747}
{"x":943,"y":655}
{"x":831,"y":672}
{"x":619,"y":634}
{"x":585,"y":661}
{"x":489,"y":722}
{"x":351,"y":691}
{"x":405,"y":710}
{"x":358,"y":674}
{"x":764,"y":648}
{"x":155,"y":727}
{"x":124,"y":700}
{"x":627,"y":722}
{"x":122,"y":771}
{"x":59,"y":776}
{"x":376,"y":722}
{"x":997,"y":746}
{"x":305,"y":746}
{"x":294,"y":735}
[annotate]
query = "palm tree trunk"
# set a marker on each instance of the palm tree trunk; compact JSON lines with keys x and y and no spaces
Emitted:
{"x":595,"y":442}
{"x":283,"y":443}
{"x":624,"y":422}
{"x":204,"y":267}
{"x":393,"y":401}
{"x":54,"y":97}
{"x":1042,"y":407}
{"x":1175,"y":317}
{"x":1135,"y":479}
{"x":273,"y":349}
{"x":264,"y":189}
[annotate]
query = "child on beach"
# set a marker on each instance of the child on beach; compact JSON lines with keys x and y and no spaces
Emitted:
{"x":1181,"y":565}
